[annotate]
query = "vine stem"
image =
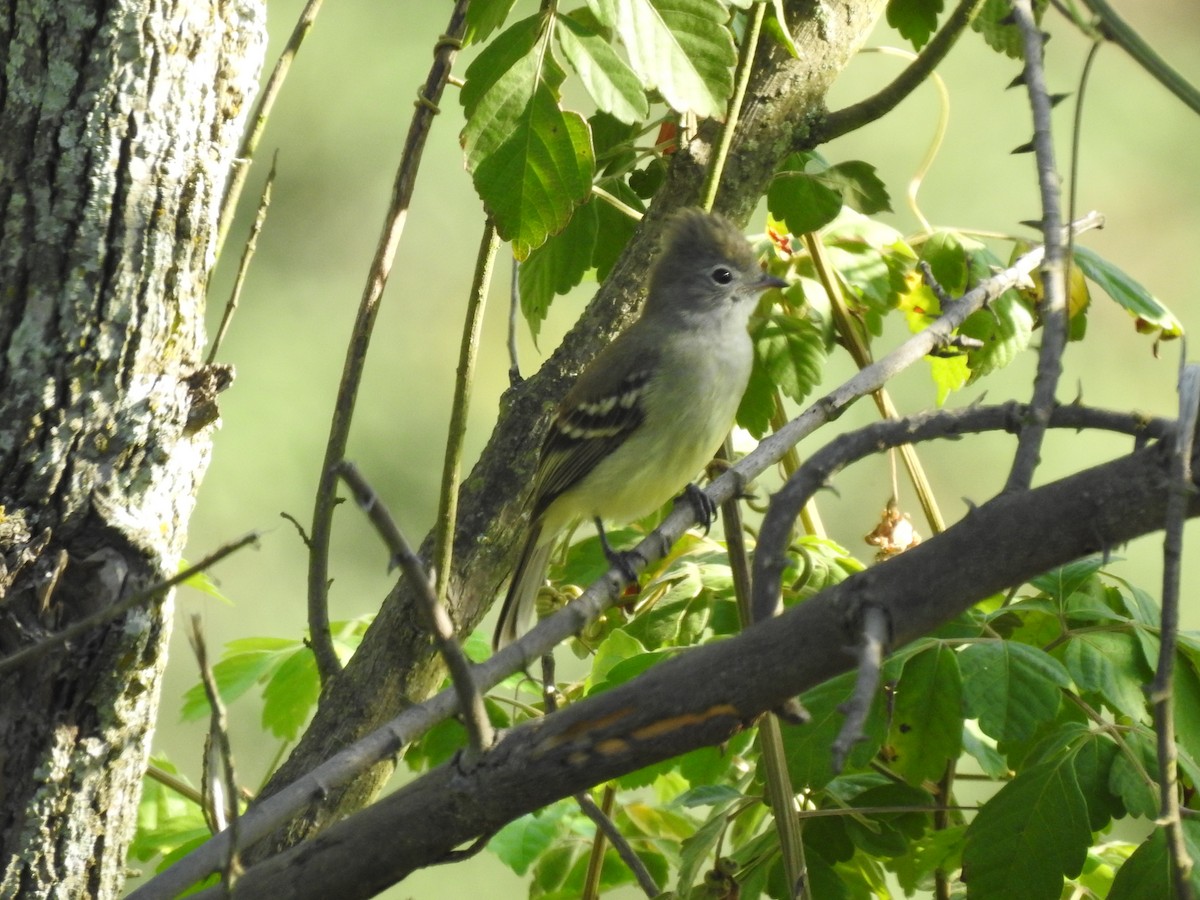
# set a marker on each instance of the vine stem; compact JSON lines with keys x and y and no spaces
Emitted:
{"x":320,"y":535}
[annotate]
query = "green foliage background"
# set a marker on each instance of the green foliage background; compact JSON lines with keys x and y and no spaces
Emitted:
{"x":339,"y":126}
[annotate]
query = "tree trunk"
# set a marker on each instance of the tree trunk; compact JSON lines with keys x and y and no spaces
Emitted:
{"x":118,"y":124}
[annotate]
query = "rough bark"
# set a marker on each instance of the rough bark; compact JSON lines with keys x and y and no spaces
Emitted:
{"x":118,"y":125}
{"x":396,"y":665}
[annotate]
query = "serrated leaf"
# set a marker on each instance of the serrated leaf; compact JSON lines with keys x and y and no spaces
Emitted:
{"x":531,"y":162}
{"x":937,"y":850}
{"x":860,"y":188}
{"x":1109,"y":663}
{"x":1029,"y":836}
{"x":1093,"y":759}
{"x":916,"y":20}
{"x":1128,"y":293}
{"x":1060,"y":583}
{"x":290,"y":695}
{"x":1132,"y":780}
{"x":244,"y":662}
{"x":993,"y":22}
{"x":484,"y":18}
{"x":522,"y":842}
{"x":802,"y":202}
{"x":557,"y":265}
{"x":791,"y":351}
{"x":608,"y":80}
{"x":1011,"y":688}
{"x":947,"y":259}
{"x":809,"y":759}
{"x":1146,"y":875}
{"x":532,"y":182}
{"x":927,"y":718}
{"x":682,"y":48}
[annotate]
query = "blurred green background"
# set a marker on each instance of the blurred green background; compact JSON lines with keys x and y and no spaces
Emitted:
{"x":338,"y":129}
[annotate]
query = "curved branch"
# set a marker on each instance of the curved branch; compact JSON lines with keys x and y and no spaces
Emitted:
{"x":770,"y":556}
{"x":855,"y":116}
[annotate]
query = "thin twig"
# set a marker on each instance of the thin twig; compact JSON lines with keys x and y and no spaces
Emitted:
{"x":152,"y":593}
{"x":875,"y":629}
{"x":853,"y":341}
{"x":356,"y":352}
{"x":235,"y":294}
{"x":514,"y":307}
{"x":774,"y":536}
{"x":741,"y":78}
{"x":781,"y":794}
{"x":1162,"y":691}
{"x":1054,"y":302}
{"x":475,"y":718}
{"x":218,"y":739}
{"x":258,"y":120}
{"x":853,"y":117}
{"x":443,"y":553}
{"x":1118,"y":31}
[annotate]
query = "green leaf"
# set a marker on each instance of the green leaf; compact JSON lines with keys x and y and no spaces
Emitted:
{"x":809,"y":759}
{"x":610,"y":82}
{"x":1060,"y":583}
{"x":1132,"y":780}
{"x":694,"y":851}
{"x":1139,"y":302}
{"x":531,"y":162}
{"x":927,"y":718}
{"x":993,"y":21}
{"x":802,"y":202}
{"x":521,"y":842}
{"x":484,"y":18}
{"x":1109,"y":663}
{"x":916,"y":20}
{"x":201,"y":582}
{"x":989,"y":758}
{"x":244,"y":663}
{"x":680,"y":47}
{"x":776,"y":26}
{"x":860,"y":188}
{"x":532,"y":182}
{"x":1146,"y":875}
{"x":937,"y":850}
{"x":789,"y":354}
{"x":1093,"y":760}
{"x":291,"y":694}
{"x":947,"y":259}
{"x":615,"y":227}
{"x":1029,"y":836}
{"x":1011,"y":688}
{"x":1186,"y":696}
{"x":557,"y":265}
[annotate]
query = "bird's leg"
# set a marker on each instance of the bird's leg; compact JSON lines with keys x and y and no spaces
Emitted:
{"x":620,"y":559}
{"x":706,"y":510}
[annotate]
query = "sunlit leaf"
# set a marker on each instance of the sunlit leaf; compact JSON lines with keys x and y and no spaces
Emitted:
{"x":679,"y":47}
{"x":610,"y":82}
{"x":1011,"y":688}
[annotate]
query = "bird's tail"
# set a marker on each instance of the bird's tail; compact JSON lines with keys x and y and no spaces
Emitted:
{"x":518,"y":609}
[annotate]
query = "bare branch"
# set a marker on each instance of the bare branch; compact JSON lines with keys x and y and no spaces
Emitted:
{"x":364,"y":324}
{"x":1162,"y":691}
{"x":1054,"y":282}
{"x":871,"y":650}
{"x":470,"y":700}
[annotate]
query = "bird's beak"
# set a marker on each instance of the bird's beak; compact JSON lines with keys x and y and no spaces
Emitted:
{"x":765,"y":281}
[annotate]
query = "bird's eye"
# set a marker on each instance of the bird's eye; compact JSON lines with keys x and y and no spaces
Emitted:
{"x":721,"y":275}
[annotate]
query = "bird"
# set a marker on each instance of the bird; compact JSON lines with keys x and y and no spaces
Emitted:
{"x":651,"y":409}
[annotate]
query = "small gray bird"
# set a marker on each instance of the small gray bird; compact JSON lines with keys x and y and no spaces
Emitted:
{"x":653,"y":407}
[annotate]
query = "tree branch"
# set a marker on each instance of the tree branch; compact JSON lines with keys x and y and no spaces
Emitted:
{"x":1006,"y":541}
